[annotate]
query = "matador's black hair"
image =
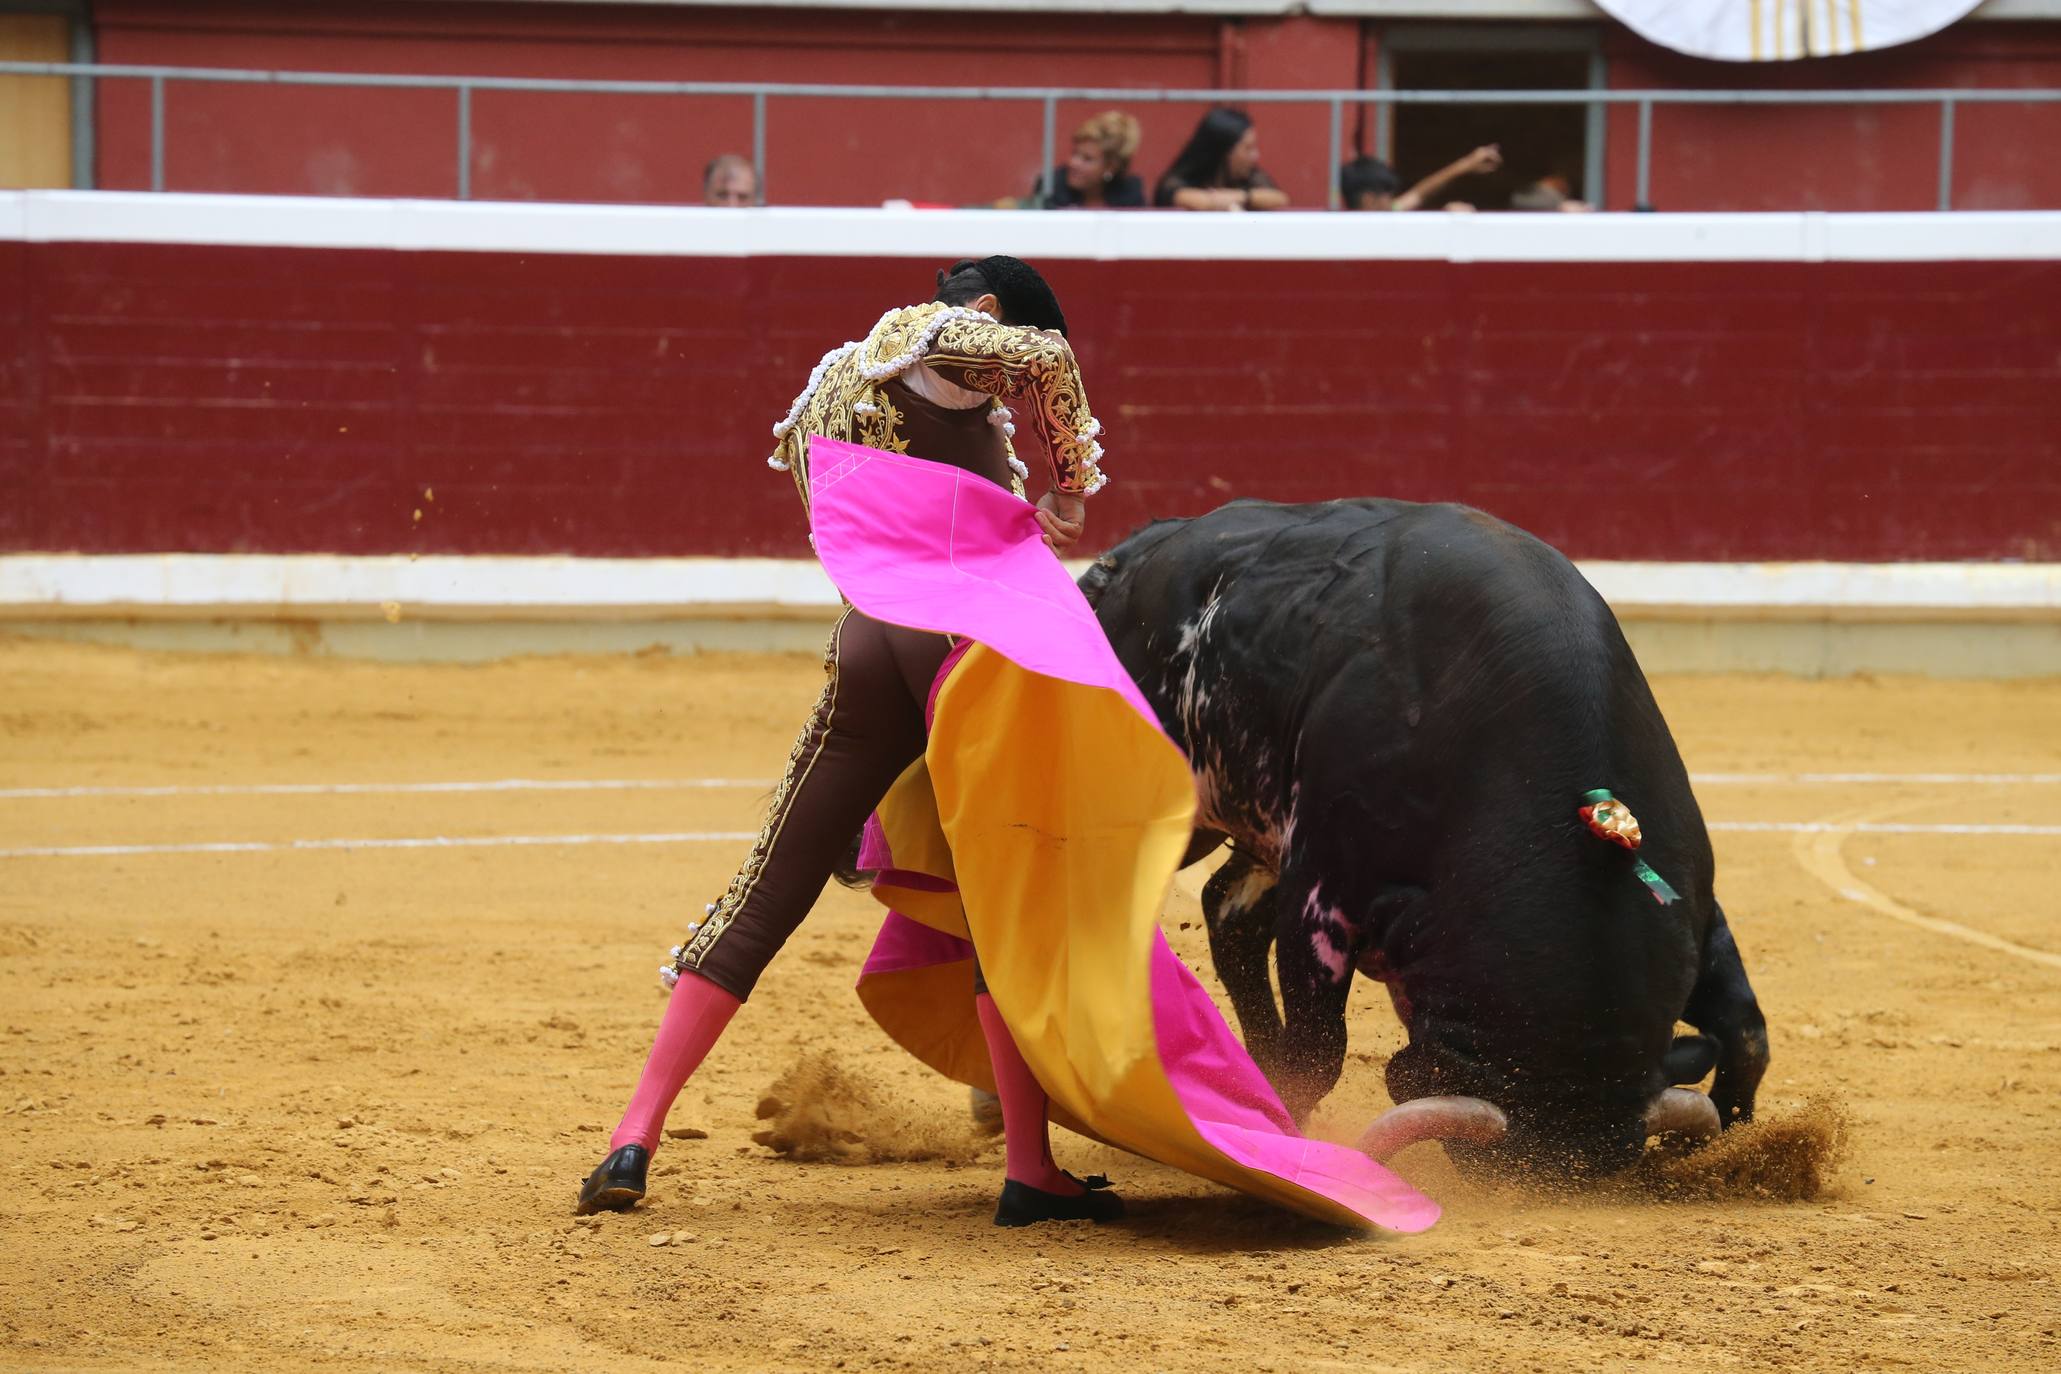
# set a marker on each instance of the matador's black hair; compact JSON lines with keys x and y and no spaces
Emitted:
{"x":1024,"y":296}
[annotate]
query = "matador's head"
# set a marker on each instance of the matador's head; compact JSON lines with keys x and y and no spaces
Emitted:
{"x":1022,"y":295}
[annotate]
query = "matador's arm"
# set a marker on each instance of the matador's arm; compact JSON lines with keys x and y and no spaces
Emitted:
{"x":1036,"y":369}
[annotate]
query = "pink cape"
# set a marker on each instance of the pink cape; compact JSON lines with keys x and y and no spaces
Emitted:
{"x":935,"y":548}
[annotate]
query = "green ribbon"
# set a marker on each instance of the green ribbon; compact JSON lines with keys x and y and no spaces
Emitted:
{"x":1662,"y":893}
{"x":1657,"y":885}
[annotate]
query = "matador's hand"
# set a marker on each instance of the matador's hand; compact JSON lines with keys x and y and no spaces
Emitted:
{"x":1063,"y":517}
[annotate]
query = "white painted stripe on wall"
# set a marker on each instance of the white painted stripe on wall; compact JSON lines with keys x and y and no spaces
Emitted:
{"x":257,"y":582}
{"x":940,"y":235}
{"x":442,"y":587}
{"x":1853,"y":586}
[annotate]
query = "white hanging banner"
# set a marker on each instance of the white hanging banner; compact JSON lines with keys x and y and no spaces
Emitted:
{"x":1783,"y":30}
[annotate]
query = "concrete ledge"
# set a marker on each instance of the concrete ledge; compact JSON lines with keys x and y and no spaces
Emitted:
{"x":434,"y":641}
{"x":530,"y":227}
{"x":1815,"y":619}
{"x":339,"y":587}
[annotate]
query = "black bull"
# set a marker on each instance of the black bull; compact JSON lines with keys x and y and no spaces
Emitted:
{"x":1393,"y":712}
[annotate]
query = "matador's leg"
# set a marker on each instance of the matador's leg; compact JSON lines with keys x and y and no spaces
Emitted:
{"x":867,"y":728}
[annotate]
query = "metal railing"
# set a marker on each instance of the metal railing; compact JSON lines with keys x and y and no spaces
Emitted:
{"x":1047,"y":97}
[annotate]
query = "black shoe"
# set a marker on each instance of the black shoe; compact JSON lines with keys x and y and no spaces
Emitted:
{"x":1023,"y":1205}
{"x":616,"y":1183}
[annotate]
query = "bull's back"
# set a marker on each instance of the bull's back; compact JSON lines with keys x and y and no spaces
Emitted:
{"x":1423,"y":638}
{"x":1447,"y":594}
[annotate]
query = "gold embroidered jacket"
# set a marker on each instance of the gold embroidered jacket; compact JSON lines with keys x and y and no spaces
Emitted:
{"x":846,"y":396}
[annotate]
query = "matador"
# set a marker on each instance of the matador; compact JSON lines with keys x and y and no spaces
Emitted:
{"x":949,"y":381}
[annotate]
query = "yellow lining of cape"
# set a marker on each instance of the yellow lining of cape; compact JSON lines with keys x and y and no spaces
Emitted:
{"x":1064,"y":815}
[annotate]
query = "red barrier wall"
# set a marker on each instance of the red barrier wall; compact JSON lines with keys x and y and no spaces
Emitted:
{"x":205,"y":398}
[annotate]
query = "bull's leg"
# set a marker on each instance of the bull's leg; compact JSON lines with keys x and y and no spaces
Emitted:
{"x":1238,"y":908}
{"x":1313,"y":950}
{"x":1723,"y":1006}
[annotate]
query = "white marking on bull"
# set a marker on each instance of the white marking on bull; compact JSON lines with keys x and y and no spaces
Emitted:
{"x":1323,"y":923}
{"x":1252,"y":885}
{"x":1234,"y":765}
{"x":1329,"y":955}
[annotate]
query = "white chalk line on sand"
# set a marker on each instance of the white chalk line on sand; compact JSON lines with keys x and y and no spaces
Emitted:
{"x":1883,"y":828}
{"x":305,"y":789}
{"x":1818,"y":850}
{"x":90,"y":851}
{"x":1951,"y":779}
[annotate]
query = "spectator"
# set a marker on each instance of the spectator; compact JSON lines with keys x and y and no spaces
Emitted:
{"x":1548,"y":193}
{"x":1098,"y":176}
{"x":730,"y":180}
{"x":1219,"y":168}
{"x":1370,"y":184}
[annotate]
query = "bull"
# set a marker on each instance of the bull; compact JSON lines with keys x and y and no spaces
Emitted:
{"x":1394,"y":712}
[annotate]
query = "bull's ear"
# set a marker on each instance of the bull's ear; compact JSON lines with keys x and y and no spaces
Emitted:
{"x":1689,"y":1059}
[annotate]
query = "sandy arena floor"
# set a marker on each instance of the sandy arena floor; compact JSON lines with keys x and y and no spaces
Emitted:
{"x":280,"y":1108}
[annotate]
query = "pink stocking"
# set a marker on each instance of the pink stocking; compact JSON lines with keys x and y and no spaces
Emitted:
{"x":695,"y":1017}
{"x":1028,"y":1145}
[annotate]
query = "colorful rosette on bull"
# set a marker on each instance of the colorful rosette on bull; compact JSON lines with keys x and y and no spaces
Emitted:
{"x":1610,"y":819}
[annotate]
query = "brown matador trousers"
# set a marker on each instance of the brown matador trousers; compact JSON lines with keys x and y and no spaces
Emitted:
{"x":868,"y":726}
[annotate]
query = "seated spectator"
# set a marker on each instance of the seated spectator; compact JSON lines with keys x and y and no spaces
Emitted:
{"x":730,"y":180}
{"x":1548,"y":193}
{"x":1219,"y":168}
{"x":1098,"y":175}
{"x":1368,"y":183}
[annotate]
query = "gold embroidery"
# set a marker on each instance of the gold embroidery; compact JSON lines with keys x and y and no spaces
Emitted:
{"x":810,"y":743}
{"x":882,"y":430}
{"x":846,"y":401}
{"x":1037,"y":368}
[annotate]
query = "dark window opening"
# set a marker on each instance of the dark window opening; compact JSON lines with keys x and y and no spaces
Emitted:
{"x":1537,"y":141}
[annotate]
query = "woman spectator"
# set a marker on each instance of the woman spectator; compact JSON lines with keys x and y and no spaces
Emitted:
{"x":1098,"y":175}
{"x":1219,"y":169}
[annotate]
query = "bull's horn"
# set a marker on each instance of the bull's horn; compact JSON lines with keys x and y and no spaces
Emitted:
{"x":1683,"y":1112}
{"x":1434,"y":1118}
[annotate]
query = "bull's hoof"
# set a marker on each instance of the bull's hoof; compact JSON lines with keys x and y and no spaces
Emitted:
{"x":616,"y":1183}
{"x":1023,"y":1205}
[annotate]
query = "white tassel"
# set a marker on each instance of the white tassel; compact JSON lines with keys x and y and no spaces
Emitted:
{"x":1019,"y":467}
{"x":801,"y":402}
{"x":777,"y":463}
{"x":909,"y":357}
{"x":668,"y":977}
